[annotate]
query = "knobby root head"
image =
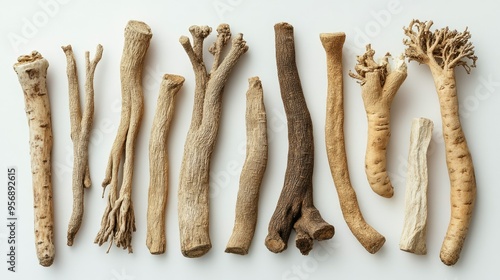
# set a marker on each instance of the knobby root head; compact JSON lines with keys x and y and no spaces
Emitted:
{"x":443,"y":47}
{"x":367,"y":64}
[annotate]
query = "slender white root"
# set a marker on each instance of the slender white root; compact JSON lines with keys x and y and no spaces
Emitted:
{"x":415,"y":222}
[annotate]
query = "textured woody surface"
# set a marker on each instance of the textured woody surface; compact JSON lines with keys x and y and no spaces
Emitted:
{"x":252,"y":172}
{"x":295,"y":208}
{"x":379,"y":84}
{"x":371,"y":240}
{"x":158,"y":163}
{"x":118,"y":220}
{"x":443,"y":50}
{"x":32,"y":73}
{"x":193,"y":194}
{"x":81,"y":126}
{"x":415,"y":222}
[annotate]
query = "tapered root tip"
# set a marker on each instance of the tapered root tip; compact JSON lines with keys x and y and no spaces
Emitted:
{"x":87,"y":183}
{"x":381,"y":185}
{"x":448,"y":259}
{"x":375,"y":246}
{"x":71,"y":237}
{"x":197,"y":251}
{"x":386,"y":192}
{"x":236,"y":250}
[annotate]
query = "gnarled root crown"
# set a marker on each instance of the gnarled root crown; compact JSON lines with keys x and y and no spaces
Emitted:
{"x":366,"y":64}
{"x":443,"y":47}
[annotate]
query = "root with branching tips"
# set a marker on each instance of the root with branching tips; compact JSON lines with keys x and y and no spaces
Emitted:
{"x":379,"y":84}
{"x":118,"y":220}
{"x":193,"y":195}
{"x":443,"y":50}
{"x":81,"y":126}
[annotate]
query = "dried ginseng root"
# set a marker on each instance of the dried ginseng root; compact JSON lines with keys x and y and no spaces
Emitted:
{"x":81,"y":126}
{"x":295,"y":208}
{"x":443,"y":50}
{"x":415,"y":222}
{"x":252,"y":172}
{"x":118,"y":220}
{"x":158,"y":163}
{"x":193,"y":195}
{"x":32,"y":72}
{"x":371,"y":239}
{"x":379,"y":84}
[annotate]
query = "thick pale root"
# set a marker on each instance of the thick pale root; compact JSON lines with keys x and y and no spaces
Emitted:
{"x":442,"y":50}
{"x":32,"y":72}
{"x":379,"y":84}
{"x":415,"y":222}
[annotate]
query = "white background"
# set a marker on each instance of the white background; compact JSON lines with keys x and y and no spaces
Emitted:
{"x":86,"y":23}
